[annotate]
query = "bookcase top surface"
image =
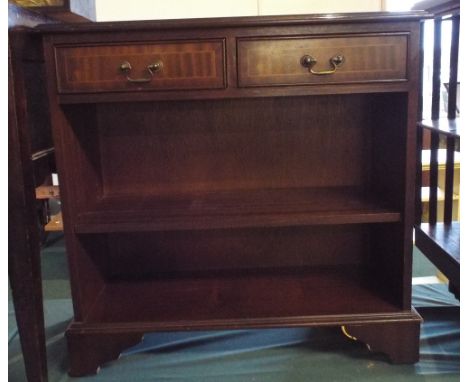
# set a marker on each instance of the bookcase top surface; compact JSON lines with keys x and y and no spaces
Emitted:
{"x":235,"y":22}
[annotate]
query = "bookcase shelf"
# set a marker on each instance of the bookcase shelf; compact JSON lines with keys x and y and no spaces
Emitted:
{"x":229,"y":209}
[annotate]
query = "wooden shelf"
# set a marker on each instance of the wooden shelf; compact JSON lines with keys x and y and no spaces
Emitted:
{"x":234,"y":209}
{"x":446,"y":237}
{"x":238,"y":300}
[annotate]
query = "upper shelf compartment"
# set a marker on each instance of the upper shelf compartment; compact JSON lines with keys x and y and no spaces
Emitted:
{"x":169,"y":65}
{"x":322,"y":60}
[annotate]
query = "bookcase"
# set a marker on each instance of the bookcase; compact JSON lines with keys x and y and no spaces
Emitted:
{"x":237,"y":173}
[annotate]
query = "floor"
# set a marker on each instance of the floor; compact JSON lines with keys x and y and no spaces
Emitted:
{"x":271,"y":355}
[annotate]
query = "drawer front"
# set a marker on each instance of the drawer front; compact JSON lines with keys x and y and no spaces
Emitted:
{"x":140,"y":66}
{"x":303,"y":61}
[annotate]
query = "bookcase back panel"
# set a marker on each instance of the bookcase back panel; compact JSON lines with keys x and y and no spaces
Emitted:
{"x":185,"y":147}
{"x":136,"y":255}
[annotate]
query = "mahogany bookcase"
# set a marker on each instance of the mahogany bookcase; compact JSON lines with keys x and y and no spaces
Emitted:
{"x":237,"y":173}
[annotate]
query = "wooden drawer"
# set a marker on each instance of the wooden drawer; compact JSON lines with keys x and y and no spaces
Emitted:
{"x":278,"y":61}
{"x":179,"y":65}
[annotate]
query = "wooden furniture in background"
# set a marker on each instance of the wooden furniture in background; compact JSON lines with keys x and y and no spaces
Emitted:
{"x":237,"y":173}
{"x":440,"y":241}
{"x":30,"y":161}
{"x":52,"y":221}
{"x":425,"y":187}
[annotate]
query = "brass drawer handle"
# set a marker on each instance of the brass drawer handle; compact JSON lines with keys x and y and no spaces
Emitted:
{"x":125,"y":67}
{"x":309,"y":61}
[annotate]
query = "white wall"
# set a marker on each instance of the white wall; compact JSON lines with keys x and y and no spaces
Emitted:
{"x":278,"y":7}
{"x":112,"y":10}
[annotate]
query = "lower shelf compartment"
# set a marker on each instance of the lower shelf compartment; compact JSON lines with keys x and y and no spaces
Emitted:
{"x":322,"y":296}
